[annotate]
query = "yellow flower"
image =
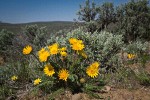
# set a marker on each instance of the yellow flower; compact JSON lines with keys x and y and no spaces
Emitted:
{"x":27,"y":50}
{"x":93,"y":69}
{"x":37,"y":81}
{"x":49,"y":70}
{"x":92,"y":72}
{"x":63,"y":74}
{"x":63,"y":49}
{"x":64,"y":54}
{"x":73,"y":40}
{"x":43,"y":55}
{"x":77,"y":46}
{"x":131,"y":56}
{"x":95,"y":64}
{"x":53,"y":48}
{"x":13,"y":78}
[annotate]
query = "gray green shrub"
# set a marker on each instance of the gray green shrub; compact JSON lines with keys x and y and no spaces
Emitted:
{"x":5,"y":40}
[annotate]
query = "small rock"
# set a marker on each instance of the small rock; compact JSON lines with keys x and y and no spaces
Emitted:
{"x":106,"y":89}
{"x":1,"y":61}
{"x":76,"y":97}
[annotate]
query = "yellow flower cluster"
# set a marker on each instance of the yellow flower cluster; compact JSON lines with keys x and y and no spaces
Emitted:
{"x":53,"y":49}
{"x":63,"y":51}
{"x":131,"y":56}
{"x":49,"y":71}
{"x":37,"y":81}
{"x":14,"y":78}
{"x":93,"y":69}
{"x":76,"y":44}
{"x":27,"y":49}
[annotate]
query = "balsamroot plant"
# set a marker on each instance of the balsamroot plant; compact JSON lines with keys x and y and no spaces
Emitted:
{"x":75,"y":61}
{"x":64,"y":66}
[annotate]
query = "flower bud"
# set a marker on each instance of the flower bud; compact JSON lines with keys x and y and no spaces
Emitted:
{"x":82,"y":80}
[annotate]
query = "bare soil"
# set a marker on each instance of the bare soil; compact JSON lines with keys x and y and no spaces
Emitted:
{"x":113,"y":94}
{"x":125,"y":94}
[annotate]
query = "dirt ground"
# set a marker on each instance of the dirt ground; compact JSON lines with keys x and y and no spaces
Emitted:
{"x":124,"y":94}
{"x":117,"y":94}
{"x":113,"y":94}
{"x":147,"y":68}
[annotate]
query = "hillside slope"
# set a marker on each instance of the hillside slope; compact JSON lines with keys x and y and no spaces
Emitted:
{"x":51,"y":27}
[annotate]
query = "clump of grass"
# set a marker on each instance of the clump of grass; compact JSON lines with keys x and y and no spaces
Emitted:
{"x":14,"y":76}
{"x":143,"y":78}
{"x":5,"y":91}
{"x":123,"y":78}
